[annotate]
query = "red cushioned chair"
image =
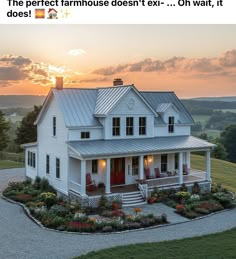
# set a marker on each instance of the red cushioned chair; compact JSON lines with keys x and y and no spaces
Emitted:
{"x":157,"y":172}
{"x":90,"y":184}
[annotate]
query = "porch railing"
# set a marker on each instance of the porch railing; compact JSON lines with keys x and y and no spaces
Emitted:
{"x":144,"y":190}
{"x":74,"y":186}
{"x":193,"y":176}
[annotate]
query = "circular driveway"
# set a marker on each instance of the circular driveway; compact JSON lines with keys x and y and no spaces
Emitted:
{"x":21,"y":238}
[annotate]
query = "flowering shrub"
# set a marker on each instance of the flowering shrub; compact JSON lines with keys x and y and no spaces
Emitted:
{"x":49,"y":198}
{"x":180,"y":208}
{"x":137,"y":210}
{"x":195,"y":197}
{"x":183,"y":195}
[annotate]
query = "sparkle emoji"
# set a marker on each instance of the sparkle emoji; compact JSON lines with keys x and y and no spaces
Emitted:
{"x":52,"y":13}
{"x":39,"y":13}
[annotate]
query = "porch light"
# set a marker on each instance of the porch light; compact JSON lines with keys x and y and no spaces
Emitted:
{"x":150,"y":160}
{"x":103,"y":163}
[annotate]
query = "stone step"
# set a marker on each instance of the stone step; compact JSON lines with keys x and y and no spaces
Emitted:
{"x":134,"y":204}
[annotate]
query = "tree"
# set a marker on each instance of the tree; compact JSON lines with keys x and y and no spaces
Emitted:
{"x":228,"y":139}
{"x":219,"y":151}
{"x":27,"y":131}
{"x":4,"y":126}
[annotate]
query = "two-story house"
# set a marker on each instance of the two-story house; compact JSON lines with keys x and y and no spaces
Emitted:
{"x":116,"y":136}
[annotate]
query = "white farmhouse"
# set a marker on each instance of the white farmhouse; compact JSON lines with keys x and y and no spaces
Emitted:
{"x":127,"y":140}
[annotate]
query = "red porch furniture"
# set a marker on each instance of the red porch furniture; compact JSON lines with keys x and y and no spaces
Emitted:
{"x":90,"y":184}
{"x":185,"y":169}
{"x":147,"y":173}
{"x":157,"y":172}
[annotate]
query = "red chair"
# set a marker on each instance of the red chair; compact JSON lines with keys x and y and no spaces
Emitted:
{"x":157,"y":172}
{"x":147,"y":173}
{"x":90,"y":184}
{"x":185,"y":169}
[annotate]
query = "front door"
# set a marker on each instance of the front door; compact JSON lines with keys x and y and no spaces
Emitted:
{"x":117,"y":171}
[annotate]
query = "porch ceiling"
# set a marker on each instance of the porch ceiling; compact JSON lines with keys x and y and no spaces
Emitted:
{"x":129,"y":147}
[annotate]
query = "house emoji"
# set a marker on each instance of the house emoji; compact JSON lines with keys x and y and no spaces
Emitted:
{"x":52,"y":13}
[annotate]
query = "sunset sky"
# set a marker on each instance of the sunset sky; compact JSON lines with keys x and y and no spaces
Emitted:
{"x":192,"y":60}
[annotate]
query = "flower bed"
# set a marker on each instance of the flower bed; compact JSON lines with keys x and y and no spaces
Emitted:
{"x":62,"y":215}
{"x":195,"y":204}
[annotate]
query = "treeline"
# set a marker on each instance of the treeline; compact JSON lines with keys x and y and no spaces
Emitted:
{"x":206,"y":107}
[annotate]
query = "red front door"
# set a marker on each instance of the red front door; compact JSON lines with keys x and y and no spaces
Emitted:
{"x":117,"y":171}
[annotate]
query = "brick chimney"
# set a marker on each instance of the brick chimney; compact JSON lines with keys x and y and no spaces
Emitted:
{"x":59,"y":82}
{"x":117,"y":81}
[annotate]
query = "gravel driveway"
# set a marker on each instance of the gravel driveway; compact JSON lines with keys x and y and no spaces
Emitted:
{"x":21,"y":238}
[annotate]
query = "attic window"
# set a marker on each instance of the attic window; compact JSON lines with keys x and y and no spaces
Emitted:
{"x":116,"y":126}
{"x":85,"y":134}
{"x":171,"y":124}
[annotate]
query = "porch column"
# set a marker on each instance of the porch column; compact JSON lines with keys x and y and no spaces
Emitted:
{"x":108,"y":176}
{"x":140,"y":168}
{"x":208,"y":165}
{"x":180,"y":169}
{"x":188,"y":159}
{"x":83,"y":177}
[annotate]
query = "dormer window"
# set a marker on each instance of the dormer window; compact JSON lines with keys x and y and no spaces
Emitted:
{"x":142,"y":125}
{"x":129,"y":126}
{"x":85,"y":135}
{"x":116,"y":126}
{"x":171,"y":124}
{"x":54,"y":126}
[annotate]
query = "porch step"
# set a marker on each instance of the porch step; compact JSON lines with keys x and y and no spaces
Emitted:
{"x":132,"y":199}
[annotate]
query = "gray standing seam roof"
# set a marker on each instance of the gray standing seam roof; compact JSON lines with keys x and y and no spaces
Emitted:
{"x":81,"y":106}
{"x":156,"y":98}
{"x":122,"y":147}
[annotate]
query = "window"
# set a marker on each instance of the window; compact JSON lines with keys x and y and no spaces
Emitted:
{"x":54,"y":126}
{"x":171,"y":124}
{"x":31,"y":159}
{"x":94,"y":166}
{"x":85,"y":134}
{"x":176,"y":161}
{"x":135,"y":165}
{"x":116,"y":126}
{"x":58,"y":168}
{"x":142,"y":125}
{"x":164,"y":163}
{"x":129,"y":126}
{"x":47,"y":164}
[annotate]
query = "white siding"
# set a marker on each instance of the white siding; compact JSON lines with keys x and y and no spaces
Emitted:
{"x":74,"y":134}
{"x":54,"y":146}
{"x":179,"y":130}
{"x":122,"y":110}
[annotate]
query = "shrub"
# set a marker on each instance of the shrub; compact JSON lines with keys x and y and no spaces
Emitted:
{"x":196,"y":189}
{"x":59,"y":210}
{"x":22,"y":197}
{"x":44,"y":184}
{"x":79,"y":226}
{"x":163,"y":217}
{"x":107,"y":229}
{"x":180,"y":208}
{"x":225,"y":199}
{"x":101,"y":185}
{"x":183,"y":196}
{"x":37,"y":180}
{"x":57,"y":222}
{"x":183,"y":188}
{"x":202,"y":211}
{"x":18,"y":186}
{"x":103,"y":202}
{"x":49,"y":198}
{"x":194,"y":197}
{"x":190,"y":214}
{"x":211,"y":206}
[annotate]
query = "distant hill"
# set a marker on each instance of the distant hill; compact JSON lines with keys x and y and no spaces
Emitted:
{"x":9,"y":101}
{"x":212,"y":99}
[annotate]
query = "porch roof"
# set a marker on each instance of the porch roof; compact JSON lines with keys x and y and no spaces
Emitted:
{"x":130,"y":147}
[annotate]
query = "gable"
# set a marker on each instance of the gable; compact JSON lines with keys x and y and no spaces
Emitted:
{"x":132,"y":104}
{"x":125,"y":97}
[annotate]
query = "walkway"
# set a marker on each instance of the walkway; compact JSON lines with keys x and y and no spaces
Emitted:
{"x":22,"y":239}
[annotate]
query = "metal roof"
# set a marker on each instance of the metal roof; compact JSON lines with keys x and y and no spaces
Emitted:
{"x":108,"y":97}
{"x":125,"y":147}
{"x":157,"y":98}
{"x":77,"y":106}
{"x":162,"y":107}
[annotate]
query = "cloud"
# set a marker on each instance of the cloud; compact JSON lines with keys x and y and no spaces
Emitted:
{"x":228,"y":59}
{"x":12,"y":73}
{"x":4,"y":83}
{"x":94,"y":80}
{"x":76,"y":52}
{"x":15,"y":60}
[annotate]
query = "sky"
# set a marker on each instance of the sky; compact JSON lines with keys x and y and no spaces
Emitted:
{"x":192,"y":60}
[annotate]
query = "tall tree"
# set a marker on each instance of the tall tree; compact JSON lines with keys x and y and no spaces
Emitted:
{"x":27,"y":131}
{"x":4,"y":126}
{"x":228,"y":139}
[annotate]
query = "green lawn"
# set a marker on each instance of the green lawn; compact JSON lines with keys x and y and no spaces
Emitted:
{"x":226,"y":110}
{"x":212,"y":133}
{"x":221,"y":245}
{"x":221,"y":171}
{"x":5,"y":164}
